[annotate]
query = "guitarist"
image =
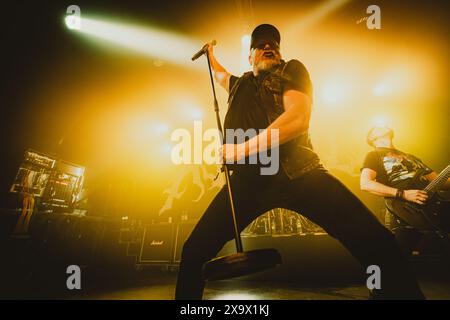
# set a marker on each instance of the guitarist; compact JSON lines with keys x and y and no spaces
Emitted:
{"x":391,"y":173}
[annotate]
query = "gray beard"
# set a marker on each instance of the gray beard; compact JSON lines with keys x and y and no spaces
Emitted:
{"x":265,"y":65}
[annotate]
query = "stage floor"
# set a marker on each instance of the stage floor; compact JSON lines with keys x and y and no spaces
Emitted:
{"x":163,"y":288}
{"x":315,"y":267}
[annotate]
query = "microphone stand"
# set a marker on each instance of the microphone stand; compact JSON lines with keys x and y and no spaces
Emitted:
{"x":240,"y":263}
{"x":237,"y":236}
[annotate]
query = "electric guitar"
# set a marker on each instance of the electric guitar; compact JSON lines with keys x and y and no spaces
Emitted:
{"x":434,"y":215}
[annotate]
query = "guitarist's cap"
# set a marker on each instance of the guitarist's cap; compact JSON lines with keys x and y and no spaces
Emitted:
{"x":265,"y":33}
{"x":378,"y":132}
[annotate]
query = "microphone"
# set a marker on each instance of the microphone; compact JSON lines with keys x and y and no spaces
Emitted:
{"x":203,"y":50}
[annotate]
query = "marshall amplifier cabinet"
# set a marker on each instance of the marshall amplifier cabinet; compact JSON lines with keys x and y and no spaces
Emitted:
{"x":158,"y":243}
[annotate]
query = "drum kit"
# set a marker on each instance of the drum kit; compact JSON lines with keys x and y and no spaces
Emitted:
{"x":281,"y":222}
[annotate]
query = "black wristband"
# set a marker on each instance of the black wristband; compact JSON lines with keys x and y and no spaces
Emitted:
{"x":399,"y":194}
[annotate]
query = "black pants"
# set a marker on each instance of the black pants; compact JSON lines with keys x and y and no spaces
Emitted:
{"x":318,"y":196}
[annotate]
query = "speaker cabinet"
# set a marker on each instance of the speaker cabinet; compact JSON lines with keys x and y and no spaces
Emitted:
{"x":158,"y":243}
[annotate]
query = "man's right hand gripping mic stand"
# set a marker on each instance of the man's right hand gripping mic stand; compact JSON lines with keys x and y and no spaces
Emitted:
{"x":240,"y":263}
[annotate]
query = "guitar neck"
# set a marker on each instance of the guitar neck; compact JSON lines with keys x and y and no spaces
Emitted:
{"x":434,"y":185}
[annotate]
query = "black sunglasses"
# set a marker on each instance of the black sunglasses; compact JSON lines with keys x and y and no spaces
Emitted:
{"x":262,"y":45}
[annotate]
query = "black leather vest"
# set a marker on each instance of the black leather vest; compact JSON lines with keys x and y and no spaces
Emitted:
{"x":296,"y":156}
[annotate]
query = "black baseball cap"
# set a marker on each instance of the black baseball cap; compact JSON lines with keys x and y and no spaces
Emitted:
{"x":265,"y":33}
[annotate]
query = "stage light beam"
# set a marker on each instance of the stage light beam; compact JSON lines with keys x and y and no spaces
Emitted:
{"x":148,"y":41}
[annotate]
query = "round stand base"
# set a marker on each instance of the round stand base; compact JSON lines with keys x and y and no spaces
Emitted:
{"x":241,"y":264}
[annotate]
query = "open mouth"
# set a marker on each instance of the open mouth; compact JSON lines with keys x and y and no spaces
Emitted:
{"x":268,"y":54}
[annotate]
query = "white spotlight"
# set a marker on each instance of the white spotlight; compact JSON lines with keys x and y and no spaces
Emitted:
{"x":148,"y":41}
